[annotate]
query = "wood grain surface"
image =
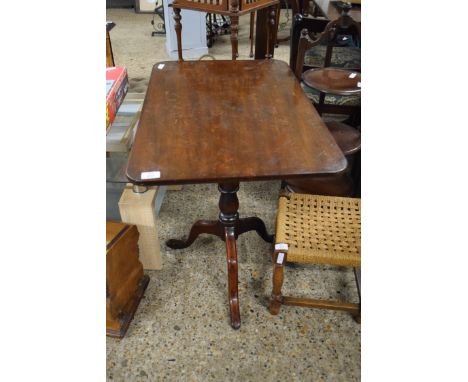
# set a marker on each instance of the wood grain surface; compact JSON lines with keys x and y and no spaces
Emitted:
{"x":216,"y":121}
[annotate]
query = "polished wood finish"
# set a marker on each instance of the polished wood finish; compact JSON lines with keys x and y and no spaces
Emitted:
{"x":234,"y":36}
{"x":326,"y":32}
{"x":299,"y":23}
{"x":333,"y":80}
{"x":326,"y":8}
{"x":348,"y":138}
{"x":228,"y":217}
{"x":278,"y":278}
{"x":228,"y":227}
{"x":265,"y":39}
{"x":252,"y":32}
{"x":272,"y":30}
{"x":342,"y":25}
{"x":233,"y":293}
{"x":109,"y":53}
{"x":216,"y":228}
{"x":261,"y":126}
{"x":322,"y":304}
{"x":178,"y":29}
{"x":233,"y":9}
{"x":330,"y":185}
{"x":125,"y":281}
{"x":344,"y":184}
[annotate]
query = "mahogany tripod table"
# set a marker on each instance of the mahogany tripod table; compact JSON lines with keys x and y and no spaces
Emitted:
{"x":237,"y":121}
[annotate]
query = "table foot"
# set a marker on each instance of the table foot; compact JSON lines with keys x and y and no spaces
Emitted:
{"x":212,"y":227}
{"x":254,"y":224}
{"x":231,"y":254}
{"x":228,"y":227}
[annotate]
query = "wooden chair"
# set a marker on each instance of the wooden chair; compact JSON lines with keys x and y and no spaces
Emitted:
{"x":347,"y":137}
{"x":316,"y":229}
{"x":341,"y":38}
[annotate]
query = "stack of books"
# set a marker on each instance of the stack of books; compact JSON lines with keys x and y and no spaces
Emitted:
{"x":116,"y":89}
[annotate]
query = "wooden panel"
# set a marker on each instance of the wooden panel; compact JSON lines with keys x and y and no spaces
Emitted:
{"x":230,"y":120}
{"x":113,"y":231}
{"x":125,"y":281}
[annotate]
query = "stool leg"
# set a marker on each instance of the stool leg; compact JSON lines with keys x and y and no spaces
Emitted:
{"x":278,"y":277}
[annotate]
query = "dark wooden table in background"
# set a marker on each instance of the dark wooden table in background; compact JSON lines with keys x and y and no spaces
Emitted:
{"x":237,"y":121}
{"x":331,"y":11}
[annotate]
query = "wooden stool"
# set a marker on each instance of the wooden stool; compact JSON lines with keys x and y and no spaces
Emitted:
{"x":125,"y":281}
{"x":316,"y":230}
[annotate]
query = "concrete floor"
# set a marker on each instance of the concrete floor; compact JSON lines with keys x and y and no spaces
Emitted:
{"x":181,"y":329}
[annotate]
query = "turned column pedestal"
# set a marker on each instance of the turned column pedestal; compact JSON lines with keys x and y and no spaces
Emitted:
{"x":228,"y":227}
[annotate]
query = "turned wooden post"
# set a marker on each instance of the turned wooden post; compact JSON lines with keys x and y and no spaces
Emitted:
{"x":228,"y":203}
{"x":234,"y":28}
{"x":271,"y":33}
{"x":252,"y":25}
{"x":178,"y":29}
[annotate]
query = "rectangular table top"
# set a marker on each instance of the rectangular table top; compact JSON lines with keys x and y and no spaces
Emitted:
{"x":220,"y":121}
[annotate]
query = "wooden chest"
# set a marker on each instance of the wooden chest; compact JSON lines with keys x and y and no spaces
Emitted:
{"x":125,"y":280}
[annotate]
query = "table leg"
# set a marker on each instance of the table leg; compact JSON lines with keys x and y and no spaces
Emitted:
{"x":228,"y":227}
{"x":201,"y":226}
{"x":233,"y":293}
{"x":254,"y":224}
{"x":228,"y":217}
{"x":178,"y":29}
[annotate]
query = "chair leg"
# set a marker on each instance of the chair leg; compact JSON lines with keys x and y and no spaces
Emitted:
{"x":278,"y":276}
{"x":252,"y":22}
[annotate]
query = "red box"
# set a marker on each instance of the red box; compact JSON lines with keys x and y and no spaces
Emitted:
{"x":116,"y":89}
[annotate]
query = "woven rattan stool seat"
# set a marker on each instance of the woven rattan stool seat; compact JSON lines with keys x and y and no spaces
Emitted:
{"x":320,"y":229}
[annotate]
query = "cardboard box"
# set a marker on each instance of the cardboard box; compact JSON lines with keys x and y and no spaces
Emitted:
{"x":116,"y":89}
